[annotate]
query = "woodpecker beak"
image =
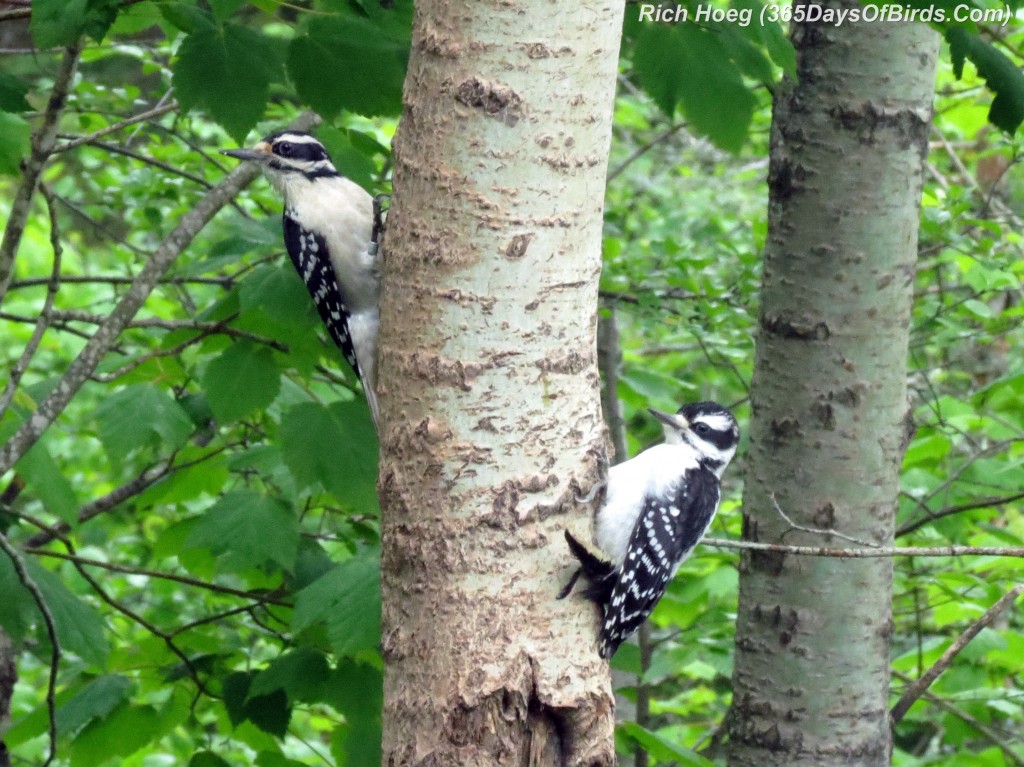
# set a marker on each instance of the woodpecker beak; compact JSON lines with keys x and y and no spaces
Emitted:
{"x":259,"y":153}
{"x":671,"y":420}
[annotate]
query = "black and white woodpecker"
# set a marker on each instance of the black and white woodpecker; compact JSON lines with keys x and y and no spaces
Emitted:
{"x":657,"y":507}
{"x":330,"y":231}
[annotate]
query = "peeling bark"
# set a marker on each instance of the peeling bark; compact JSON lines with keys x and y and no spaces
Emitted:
{"x":489,"y":387}
{"x":829,"y":395}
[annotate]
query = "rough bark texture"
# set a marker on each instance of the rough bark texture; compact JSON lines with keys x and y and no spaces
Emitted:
{"x":829,"y":399}
{"x":8,"y":677}
{"x":489,"y":387}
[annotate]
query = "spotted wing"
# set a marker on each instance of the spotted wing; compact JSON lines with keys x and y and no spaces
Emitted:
{"x":308,"y":252}
{"x":667,"y":530}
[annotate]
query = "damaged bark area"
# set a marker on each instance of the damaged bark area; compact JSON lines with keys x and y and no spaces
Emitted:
{"x":491,"y":421}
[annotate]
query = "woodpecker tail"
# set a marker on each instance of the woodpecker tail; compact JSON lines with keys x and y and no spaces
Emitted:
{"x":598,"y":569}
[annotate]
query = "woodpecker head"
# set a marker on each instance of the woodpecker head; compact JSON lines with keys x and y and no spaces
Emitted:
{"x":707,"y":427}
{"x":287,"y":157}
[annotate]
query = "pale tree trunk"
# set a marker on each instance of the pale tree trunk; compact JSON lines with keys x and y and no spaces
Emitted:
{"x":489,"y":386}
{"x":829,"y":402}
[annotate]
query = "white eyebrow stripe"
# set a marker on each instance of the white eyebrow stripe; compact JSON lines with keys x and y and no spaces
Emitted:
{"x":715,"y":421}
{"x":296,"y":138}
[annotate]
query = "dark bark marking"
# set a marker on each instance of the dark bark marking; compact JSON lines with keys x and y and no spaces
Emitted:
{"x":518,"y":247}
{"x":867,"y":119}
{"x":496,"y":101}
{"x":825,"y":415}
{"x":798,"y":329}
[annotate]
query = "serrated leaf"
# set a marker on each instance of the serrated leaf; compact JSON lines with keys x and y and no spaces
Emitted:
{"x":302,"y":674}
{"x":14,"y":142}
{"x":79,"y":626}
{"x":1001,"y":75}
{"x":243,"y":379}
{"x":248,"y":529}
{"x":687,"y":66}
{"x":12,"y":93}
{"x":141,"y":416}
{"x":334,"y":446}
{"x":278,"y":292}
{"x":270,"y":713}
{"x":61,"y":22}
{"x":94,"y":701}
{"x":47,"y":481}
{"x":347,"y":600}
{"x":227,"y":70}
{"x":661,"y":749}
{"x":350,"y":62}
{"x":234,"y":692}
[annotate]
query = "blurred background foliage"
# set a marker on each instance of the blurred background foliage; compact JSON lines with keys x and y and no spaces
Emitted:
{"x":202,"y":519}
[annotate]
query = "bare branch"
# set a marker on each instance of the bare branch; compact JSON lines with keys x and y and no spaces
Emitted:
{"x":872,"y":553}
{"x":52,"y":286}
{"x":84,"y":365}
{"x":917,"y":688}
{"x":113,"y":128}
{"x":818,"y":530}
{"x":42,"y":147}
{"x":51,"y":631}
{"x":983,"y":503}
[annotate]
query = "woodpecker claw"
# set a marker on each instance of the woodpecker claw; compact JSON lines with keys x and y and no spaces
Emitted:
{"x":590,"y":496}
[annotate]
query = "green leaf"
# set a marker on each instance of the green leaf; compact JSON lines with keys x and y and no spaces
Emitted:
{"x":48,"y":482}
{"x":243,"y":379}
{"x":126,"y":730}
{"x":141,"y":416}
{"x":234,"y":691}
{"x":61,"y":22}
{"x":17,"y":610}
{"x":272,"y":759}
{"x":224,"y":9}
{"x":347,"y":600}
{"x":186,"y":17}
{"x":302,"y":674}
{"x":350,"y":161}
{"x":358,"y":693}
{"x":334,"y":446}
{"x":661,"y":749}
{"x":350,"y":62}
{"x":689,"y":66}
{"x":278,"y":292}
{"x":94,"y":701}
{"x":12,"y":93}
{"x":268,"y":712}
{"x":227,"y":70}
{"x":248,"y":530}
{"x":14,"y":142}
{"x":1001,"y":75}
{"x":79,"y":626}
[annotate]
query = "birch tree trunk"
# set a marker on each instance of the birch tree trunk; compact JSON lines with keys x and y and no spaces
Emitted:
{"x":489,"y":387}
{"x":829,"y":401}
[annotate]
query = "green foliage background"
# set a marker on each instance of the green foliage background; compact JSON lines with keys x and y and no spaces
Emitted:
{"x":202,"y":519}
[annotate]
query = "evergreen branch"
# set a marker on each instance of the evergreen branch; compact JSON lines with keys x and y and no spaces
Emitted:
{"x":917,"y":688}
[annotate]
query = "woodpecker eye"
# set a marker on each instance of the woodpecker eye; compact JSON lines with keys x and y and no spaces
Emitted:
{"x":702,"y":429}
{"x":285,"y":149}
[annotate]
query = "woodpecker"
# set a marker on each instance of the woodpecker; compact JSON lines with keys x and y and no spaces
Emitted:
{"x":656,"y":509}
{"x":331,"y":225}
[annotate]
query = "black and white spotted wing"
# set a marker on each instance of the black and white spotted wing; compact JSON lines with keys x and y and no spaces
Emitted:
{"x":308,"y":252}
{"x":667,"y":530}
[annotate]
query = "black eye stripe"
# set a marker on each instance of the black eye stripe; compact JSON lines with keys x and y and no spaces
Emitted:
{"x":310,"y":152}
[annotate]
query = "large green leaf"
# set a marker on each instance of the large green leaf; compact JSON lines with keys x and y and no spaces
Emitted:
{"x":94,"y":701}
{"x":141,"y":416}
{"x":1003,"y":77}
{"x":661,"y":749}
{"x":302,"y":674}
{"x":12,"y":93}
{"x":45,"y":478}
{"x":227,"y":70}
{"x":243,"y":379}
{"x":79,"y":626}
{"x":62,"y":22}
{"x":688,"y":66}
{"x":347,"y":600}
{"x":333,"y":446}
{"x":357,"y":691}
{"x":351,"y":62}
{"x":123,"y":732}
{"x":247,"y":529}
{"x":270,"y":713}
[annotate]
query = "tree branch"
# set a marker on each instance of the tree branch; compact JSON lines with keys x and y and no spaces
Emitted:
{"x":910,"y":527}
{"x":42,"y":147}
{"x":114,"y":127}
{"x":916,"y":689}
{"x":891,"y":551}
{"x":83,"y":366}
{"x":51,"y":631}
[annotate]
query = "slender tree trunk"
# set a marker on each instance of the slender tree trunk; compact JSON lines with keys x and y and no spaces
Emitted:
{"x":489,"y":386}
{"x":829,"y":402}
{"x":8,"y":677}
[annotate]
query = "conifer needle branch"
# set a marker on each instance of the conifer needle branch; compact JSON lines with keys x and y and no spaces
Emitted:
{"x":917,"y":688}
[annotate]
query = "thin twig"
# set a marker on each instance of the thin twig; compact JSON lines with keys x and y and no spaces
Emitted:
{"x":917,"y":688}
{"x":981,"y":727}
{"x":51,"y":631}
{"x":42,"y":147}
{"x":52,"y":286}
{"x":113,"y":128}
{"x":983,"y":503}
{"x":818,"y":530}
{"x":877,"y":553}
